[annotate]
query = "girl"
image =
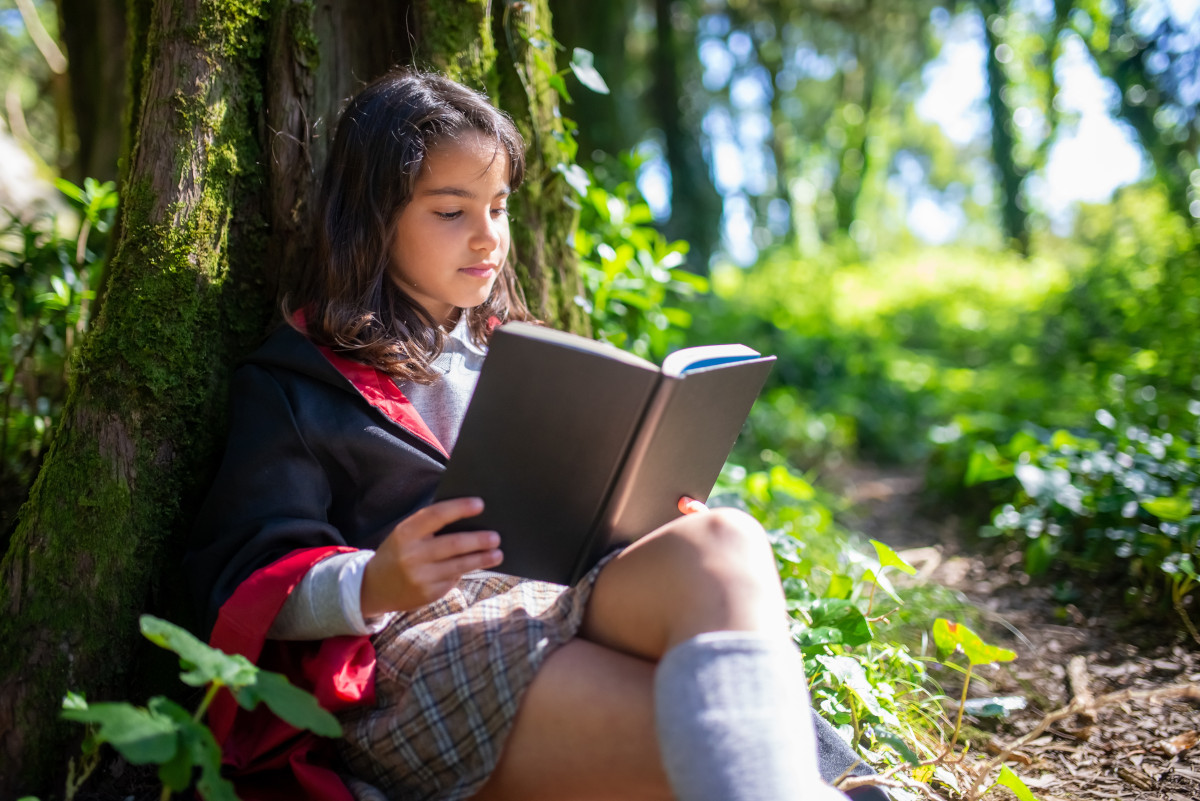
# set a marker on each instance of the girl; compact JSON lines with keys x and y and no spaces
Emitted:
{"x":666,"y":672}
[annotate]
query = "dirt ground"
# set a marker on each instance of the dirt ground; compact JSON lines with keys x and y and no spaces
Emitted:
{"x":1137,"y":749}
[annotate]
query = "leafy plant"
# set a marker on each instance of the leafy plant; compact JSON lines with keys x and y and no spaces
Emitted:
{"x":47,"y":277}
{"x":1122,"y":496}
{"x":165,"y":734}
{"x":634,"y":278}
{"x":955,"y":637}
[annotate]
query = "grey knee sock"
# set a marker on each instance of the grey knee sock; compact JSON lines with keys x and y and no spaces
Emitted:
{"x":733,"y":720}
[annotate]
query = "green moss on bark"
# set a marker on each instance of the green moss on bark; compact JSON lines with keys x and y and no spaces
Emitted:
{"x":181,"y":303}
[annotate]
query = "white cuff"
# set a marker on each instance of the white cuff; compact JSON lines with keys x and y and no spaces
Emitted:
{"x":327,"y":602}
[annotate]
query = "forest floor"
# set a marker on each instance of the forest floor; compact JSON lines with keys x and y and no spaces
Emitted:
{"x":1140,"y":748}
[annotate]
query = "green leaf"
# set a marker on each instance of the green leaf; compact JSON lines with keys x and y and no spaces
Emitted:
{"x":69,"y":189}
{"x":73,"y":700}
{"x":202,"y":664}
{"x":1039,"y":554}
{"x":290,"y":703}
{"x":986,"y":464}
{"x":584,"y":69}
{"x":840,"y":586}
{"x":881,"y":581}
{"x":1174,"y":508}
{"x":1013,"y":782}
{"x":897,"y":742}
{"x":850,"y":674}
{"x":950,"y":637}
{"x":200,"y":750}
{"x":835,"y":621}
{"x":889,"y":558}
{"x":792,"y":484}
{"x":140,"y":735}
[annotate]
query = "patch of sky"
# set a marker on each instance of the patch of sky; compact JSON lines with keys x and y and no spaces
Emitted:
{"x":751,"y":89}
{"x":814,"y":65}
{"x":11,"y":22}
{"x":714,"y":25}
{"x":955,"y":89}
{"x":737,"y":227}
{"x":718,"y":64}
{"x":654,"y":178}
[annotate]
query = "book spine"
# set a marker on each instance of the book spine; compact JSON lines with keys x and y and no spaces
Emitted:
{"x":623,"y":487}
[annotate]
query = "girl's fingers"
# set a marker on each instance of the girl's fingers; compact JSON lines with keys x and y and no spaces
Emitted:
{"x":690,"y":506}
{"x":451,"y":570}
{"x":433,"y":518}
{"x":450,"y":546}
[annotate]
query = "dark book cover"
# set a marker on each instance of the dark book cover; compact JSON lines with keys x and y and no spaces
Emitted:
{"x":576,"y":446}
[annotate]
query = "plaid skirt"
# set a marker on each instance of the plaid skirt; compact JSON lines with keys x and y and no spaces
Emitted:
{"x":448,"y":680}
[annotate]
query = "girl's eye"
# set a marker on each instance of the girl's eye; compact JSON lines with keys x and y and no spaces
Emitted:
{"x":501,"y":212}
{"x":448,"y":215}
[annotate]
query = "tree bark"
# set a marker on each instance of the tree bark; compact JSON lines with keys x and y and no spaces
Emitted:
{"x":232,"y":109}
{"x":94,"y":34}
{"x":1014,"y":217}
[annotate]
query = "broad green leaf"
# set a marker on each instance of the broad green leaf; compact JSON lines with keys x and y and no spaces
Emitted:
{"x":881,"y":581}
{"x":850,"y":674}
{"x":290,"y":703}
{"x":74,"y":700}
{"x":70,"y":190}
{"x":202,"y":751}
{"x":840,"y":586}
{"x":582,"y":64}
{"x":986,"y":464}
{"x":176,"y":772}
{"x":139,"y":735}
{"x":1039,"y":554}
{"x":950,"y":637}
{"x":202,"y":664}
{"x":1174,"y":508}
{"x":889,"y":558}
{"x":792,"y":484}
{"x":1013,"y":782}
{"x":835,"y":621}
{"x":902,"y":748}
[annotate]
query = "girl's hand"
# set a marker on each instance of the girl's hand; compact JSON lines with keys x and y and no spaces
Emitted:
{"x":690,"y":506}
{"x":412,"y":567}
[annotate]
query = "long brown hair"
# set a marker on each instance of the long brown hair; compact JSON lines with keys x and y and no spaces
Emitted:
{"x":350,"y":303}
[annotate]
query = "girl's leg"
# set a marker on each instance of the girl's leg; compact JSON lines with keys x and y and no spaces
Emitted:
{"x":593,"y":705}
{"x":704,"y":572}
{"x":584,"y":732}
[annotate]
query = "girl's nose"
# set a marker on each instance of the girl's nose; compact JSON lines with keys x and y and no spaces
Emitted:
{"x":487,"y":234}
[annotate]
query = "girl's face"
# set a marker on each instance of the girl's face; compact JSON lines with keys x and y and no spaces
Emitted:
{"x":450,"y":242}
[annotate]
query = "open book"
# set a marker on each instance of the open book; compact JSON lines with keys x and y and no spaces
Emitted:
{"x":576,"y":446}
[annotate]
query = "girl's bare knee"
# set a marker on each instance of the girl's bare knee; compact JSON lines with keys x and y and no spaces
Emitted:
{"x":731,"y":540}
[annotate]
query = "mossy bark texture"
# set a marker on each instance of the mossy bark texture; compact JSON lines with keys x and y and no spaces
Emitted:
{"x":232,"y":107}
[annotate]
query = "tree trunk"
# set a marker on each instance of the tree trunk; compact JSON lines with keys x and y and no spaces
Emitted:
{"x":94,"y":34}
{"x":231,"y":115}
{"x":1014,"y":217}
{"x":695,"y":203}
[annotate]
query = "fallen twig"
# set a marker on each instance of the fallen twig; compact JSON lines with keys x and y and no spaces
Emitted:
{"x":1074,"y":708}
{"x":1077,"y":677}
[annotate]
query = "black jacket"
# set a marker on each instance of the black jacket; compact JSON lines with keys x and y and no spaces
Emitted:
{"x":322,"y":451}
